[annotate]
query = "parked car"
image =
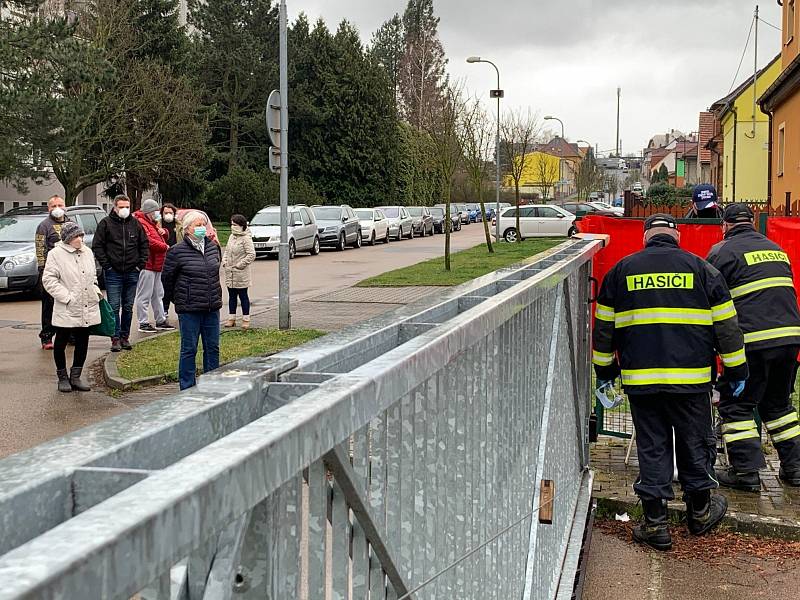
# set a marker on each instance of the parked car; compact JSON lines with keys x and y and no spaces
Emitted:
{"x":604,"y":207}
{"x":475,"y":214}
{"x":400,"y":223}
{"x":19,"y":271}
{"x":338,"y":226}
{"x":455,"y":216}
{"x":580,"y":208}
{"x":422,"y":220}
{"x":374,"y":225}
{"x":303,"y":233}
{"x":463,"y":211}
{"x":537,"y":220}
{"x":437,"y":214}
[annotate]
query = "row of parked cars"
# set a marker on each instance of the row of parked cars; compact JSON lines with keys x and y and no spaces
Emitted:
{"x":312,"y":228}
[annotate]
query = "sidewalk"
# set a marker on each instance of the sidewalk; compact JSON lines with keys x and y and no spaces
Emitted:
{"x":775,"y":511}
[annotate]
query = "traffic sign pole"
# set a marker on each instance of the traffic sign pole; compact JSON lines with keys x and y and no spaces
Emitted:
{"x":284,"y":314}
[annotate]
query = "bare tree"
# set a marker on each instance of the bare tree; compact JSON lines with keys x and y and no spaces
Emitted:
{"x":519,"y":130}
{"x":477,"y":137}
{"x":546,"y":170}
{"x":443,"y":125}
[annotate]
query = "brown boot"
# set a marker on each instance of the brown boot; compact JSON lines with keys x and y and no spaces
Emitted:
{"x":246,"y":322}
{"x":231,"y":322}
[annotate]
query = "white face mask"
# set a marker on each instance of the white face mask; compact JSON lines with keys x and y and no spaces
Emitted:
{"x":169,"y":218}
{"x":58,"y":213}
{"x":124,"y":213}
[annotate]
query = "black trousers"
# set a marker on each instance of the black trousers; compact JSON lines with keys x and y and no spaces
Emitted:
{"x":655,"y":417}
{"x":63,"y":335}
{"x":48,"y":331}
{"x":768,"y":389}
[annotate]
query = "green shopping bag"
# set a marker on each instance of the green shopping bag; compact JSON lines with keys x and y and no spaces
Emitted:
{"x":108,"y":324}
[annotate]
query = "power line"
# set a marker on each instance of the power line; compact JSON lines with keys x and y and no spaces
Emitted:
{"x":744,"y":52}
{"x":769,"y":24}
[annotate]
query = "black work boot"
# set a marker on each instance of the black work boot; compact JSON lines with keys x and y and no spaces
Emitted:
{"x":731,"y":478}
{"x":654,"y":532}
{"x":704,"y":511}
{"x":75,"y":380}
{"x":63,"y":381}
{"x":790,"y":477}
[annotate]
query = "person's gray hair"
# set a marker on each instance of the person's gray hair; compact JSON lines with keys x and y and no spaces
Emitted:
{"x":192,"y":216}
{"x":121,"y":198}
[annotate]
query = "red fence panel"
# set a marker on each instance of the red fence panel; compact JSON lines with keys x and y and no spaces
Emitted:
{"x":785,"y":231}
{"x":627,"y":237}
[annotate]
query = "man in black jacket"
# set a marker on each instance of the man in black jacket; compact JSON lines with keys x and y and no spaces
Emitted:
{"x":662,"y":316}
{"x":121,"y":247}
{"x":760,"y":278}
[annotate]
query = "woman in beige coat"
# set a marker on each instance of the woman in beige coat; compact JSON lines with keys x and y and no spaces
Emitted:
{"x":239,"y":255}
{"x":70,"y":278}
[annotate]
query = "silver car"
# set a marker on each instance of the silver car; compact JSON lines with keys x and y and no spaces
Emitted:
{"x":19,"y":271}
{"x":303,"y":231}
{"x":374,"y":225}
{"x":401,"y":224}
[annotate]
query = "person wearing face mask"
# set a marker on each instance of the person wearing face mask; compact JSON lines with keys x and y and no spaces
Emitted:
{"x":191,"y":282}
{"x":149,"y":292}
{"x":239,"y":255}
{"x":169,"y":222}
{"x":122,"y":249}
{"x":48,"y":234}
{"x":70,"y":278}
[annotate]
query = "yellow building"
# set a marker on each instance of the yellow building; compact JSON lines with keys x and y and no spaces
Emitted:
{"x":745,"y":147}
{"x":540,"y":175}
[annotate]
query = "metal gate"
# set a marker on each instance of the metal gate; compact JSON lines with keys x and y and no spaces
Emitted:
{"x":413,"y":456}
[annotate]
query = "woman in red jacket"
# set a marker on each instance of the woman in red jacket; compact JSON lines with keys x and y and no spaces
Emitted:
{"x":150,"y":292}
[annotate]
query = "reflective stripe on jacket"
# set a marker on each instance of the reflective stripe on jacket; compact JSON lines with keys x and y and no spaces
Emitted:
{"x":662,"y":316}
{"x":759,"y":275}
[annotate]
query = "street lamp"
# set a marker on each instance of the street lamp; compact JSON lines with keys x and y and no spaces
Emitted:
{"x":561,"y":161}
{"x":496,"y":93}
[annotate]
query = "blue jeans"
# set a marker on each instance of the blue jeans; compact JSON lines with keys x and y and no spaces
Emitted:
{"x":193,"y":326}
{"x":121,"y":292}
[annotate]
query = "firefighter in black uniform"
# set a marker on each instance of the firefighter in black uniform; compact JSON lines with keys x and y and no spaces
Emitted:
{"x":662,"y":316}
{"x":760,"y":279}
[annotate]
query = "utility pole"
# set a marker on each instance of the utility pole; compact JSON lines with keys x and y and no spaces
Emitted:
{"x":284,"y":315}
{"x":619,"y":94}
{"x":755,"y":75}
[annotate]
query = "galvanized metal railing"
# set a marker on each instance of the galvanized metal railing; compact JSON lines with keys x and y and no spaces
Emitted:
{"x":403,"y":458}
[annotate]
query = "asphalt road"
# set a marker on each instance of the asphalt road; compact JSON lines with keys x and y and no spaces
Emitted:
{"x":31,"y":411}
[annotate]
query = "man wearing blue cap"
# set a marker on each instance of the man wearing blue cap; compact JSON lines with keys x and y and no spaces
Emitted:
{"x":705,"y":203}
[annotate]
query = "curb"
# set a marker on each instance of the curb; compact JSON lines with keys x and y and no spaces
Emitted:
{"x":115,"y":381}
{"x":747,"y":523}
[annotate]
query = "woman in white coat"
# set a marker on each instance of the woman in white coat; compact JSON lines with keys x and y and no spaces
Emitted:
{"x":239,"y":255}
{"x":70,"y":278}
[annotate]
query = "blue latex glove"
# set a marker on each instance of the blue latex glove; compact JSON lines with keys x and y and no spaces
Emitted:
{"x":737,"y":387}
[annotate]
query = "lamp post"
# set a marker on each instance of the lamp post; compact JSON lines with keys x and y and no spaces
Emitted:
{"x":496,"y":93}
{"x":561,"y":161}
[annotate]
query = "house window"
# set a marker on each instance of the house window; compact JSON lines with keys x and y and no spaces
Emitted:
{"x":781,"y":147}
{"x":789,"y":21}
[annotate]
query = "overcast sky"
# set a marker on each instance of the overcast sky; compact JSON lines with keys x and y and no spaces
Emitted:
{"x":567,"y":57}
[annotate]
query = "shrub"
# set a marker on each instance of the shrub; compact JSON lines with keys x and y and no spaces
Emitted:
{"x":245,"y":191}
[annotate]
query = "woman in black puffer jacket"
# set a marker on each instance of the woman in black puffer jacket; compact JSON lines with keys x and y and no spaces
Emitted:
{"x":191,"y":282}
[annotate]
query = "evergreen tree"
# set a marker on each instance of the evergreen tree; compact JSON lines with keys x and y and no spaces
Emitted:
{"x":387,"y":46}
{"x":343,"y":127}
{"x":235,"y":60}
{"x":49,"y":83}
{"x":422,"y":76}
{"x":160,"y":35}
